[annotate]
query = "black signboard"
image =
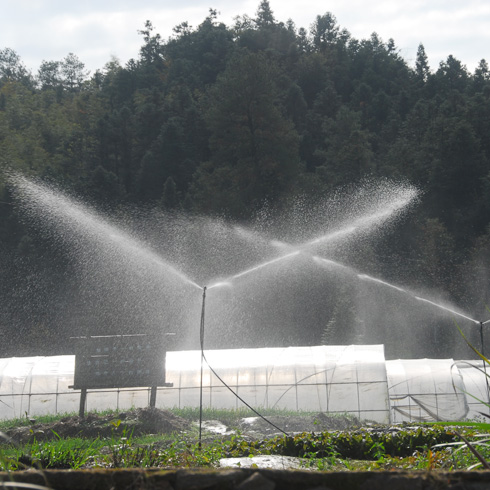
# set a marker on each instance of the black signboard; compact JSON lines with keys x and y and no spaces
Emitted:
{"x":119,"y":361}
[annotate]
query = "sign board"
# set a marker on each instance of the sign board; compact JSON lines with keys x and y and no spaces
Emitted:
{"x":119,"y":361}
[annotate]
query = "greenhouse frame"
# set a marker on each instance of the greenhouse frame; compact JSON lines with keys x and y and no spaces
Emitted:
{"x":355,"y":380}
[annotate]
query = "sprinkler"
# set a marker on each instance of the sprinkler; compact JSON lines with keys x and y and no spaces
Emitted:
{"x":482,"y":351}
{"x":202,"y":361}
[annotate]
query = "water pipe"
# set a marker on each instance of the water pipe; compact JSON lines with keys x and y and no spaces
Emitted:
{"x":202,"y":361}
{"x":482,"y":352}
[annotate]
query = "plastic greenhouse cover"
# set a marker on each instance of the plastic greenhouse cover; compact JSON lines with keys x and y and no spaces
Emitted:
{"x":353,"y":379}
{"x":343,"y":379}
{"x":477,"y":388}
{"x":425,"y":390}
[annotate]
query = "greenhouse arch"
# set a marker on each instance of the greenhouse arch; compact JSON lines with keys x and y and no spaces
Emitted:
{"x":355,"y":380}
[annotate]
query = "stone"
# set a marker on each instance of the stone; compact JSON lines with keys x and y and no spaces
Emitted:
{"x":256,"y":482}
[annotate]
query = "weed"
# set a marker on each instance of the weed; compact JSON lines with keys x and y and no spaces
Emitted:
{"x":378,"y":451}
{"x":368,"y":449}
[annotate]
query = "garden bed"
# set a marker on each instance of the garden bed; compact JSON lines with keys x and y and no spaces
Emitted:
{"x":142,"y":443}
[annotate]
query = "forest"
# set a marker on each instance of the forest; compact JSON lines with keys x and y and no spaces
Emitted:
{"x":218,"y":120}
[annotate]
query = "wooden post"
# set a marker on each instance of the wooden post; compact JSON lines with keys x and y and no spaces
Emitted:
{"x":83,"y":401}
{"x":153,"y":396}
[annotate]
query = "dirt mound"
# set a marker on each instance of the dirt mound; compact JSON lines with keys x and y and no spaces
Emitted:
{"x":134,"y":422}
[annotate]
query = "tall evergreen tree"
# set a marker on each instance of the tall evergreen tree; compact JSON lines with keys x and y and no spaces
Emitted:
{"x":422,"y":68}
{"x":264,"y":17}
{"x":254,"y":146}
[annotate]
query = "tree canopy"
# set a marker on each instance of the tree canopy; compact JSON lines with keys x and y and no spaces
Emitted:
{"x":220,"y":119}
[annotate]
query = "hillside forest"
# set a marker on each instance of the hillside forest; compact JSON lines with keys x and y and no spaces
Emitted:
{"x":218,"y":120}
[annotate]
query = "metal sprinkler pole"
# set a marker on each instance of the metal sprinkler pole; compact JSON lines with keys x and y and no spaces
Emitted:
{"x":202,"y":362}
{"x":484,"y":363}
{"x":482,"y":349}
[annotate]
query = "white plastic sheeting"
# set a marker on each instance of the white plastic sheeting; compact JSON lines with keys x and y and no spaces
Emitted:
{"x":477,"y":388}
{"x":335,"y":379}
{"x":37,"y":386}
{"x":425,"y":390}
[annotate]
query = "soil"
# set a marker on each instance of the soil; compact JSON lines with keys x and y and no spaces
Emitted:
{"x":242,"y":474}
{"x":155,"y":421}
{"x":135,"y":422}
{"x":145,"y":420}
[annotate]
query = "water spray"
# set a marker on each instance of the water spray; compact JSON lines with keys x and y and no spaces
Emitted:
{"x":83,"y":216}
{"x":365,"y":277}
{"x":265,"y":264}
{"x":83,"y":219}
{"x":221,"y":284}
{"x":446,"y":309}
{"x":358,"y":225}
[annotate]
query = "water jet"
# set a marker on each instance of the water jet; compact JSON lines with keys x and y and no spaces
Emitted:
{"x":276,"y":282}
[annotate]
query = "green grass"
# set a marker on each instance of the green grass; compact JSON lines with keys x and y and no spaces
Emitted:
{"x":117,"y":452}
{"x":46,"y":419}
{"x":73,"y":453}
{"x":427,"y":447}
{"x":227,"y":417}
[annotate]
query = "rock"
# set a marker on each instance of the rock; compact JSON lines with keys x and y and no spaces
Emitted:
{"x":256,"y":482}
{"x":263,"y":461}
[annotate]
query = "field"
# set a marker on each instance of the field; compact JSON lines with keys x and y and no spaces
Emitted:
{"x":149,"y":438}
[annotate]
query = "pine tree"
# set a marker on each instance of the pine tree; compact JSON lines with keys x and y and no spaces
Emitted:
{"x":265,"y":17}
{"x":421,"y":64}
{"x":254,"y":146}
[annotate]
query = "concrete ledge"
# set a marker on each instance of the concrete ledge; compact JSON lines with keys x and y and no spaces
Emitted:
{"x":245,"y":479}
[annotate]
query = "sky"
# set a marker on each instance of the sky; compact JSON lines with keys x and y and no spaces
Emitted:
{"x":97,"y":31}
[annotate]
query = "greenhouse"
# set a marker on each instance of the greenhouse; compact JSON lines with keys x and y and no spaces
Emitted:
{"x":355,"y":380}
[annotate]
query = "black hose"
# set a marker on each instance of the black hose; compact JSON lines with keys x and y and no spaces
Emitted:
{"x":203,"y":358}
